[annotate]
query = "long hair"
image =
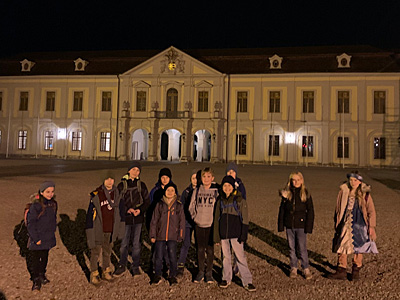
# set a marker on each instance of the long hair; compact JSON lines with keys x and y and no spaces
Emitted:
{"x":358,"y":191}
{"x":303,"y":190}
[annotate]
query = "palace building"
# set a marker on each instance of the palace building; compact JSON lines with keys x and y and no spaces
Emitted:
{"x":334,"y":105}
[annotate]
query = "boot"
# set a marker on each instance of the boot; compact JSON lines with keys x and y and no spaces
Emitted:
{"x":37,"y":284}
{"x":95,"y":278}
{"x":107,"y":274}
{"x":355,"y":272}
{"x":340,"y":274}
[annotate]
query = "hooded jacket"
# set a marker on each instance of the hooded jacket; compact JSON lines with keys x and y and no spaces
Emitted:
{"x":94,"y":220}
{"x":367,"y":205}
{"x":168,"y":221}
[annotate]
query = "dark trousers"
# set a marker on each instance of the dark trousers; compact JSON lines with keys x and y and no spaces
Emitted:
{"x":185,"y":246}
{"x":132,"y":235}
{"x":205,"y":244}
{"x":160,"y":247}
{"x":39,"y":260}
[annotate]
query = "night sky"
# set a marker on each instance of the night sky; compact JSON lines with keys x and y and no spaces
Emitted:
{"x":27,"y":25}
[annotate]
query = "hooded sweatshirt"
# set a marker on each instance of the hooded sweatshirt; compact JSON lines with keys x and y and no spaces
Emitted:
{"x":201,"y":206}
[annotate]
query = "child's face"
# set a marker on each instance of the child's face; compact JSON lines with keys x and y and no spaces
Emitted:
{"x":164,"y":180}
{"x":108,"y":183}
{"x":134,"y":172}
{"x":231,"y":173}
{"x":193,"y":179}
{"x":48,"y":193}
{"x":207,"y":179}
{"x":170,"y":192}
{"x":227,"y":188}
{"x":354,"y":182}
{"x":297,"y":181}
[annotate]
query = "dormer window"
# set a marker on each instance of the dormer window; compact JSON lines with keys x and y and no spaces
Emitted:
{"x":26,"y":65}
{"x":275,"y":62}
{"x":343,"y":60}
{"x":80,"y":64}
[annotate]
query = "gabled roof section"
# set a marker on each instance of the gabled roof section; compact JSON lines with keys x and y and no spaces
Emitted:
{"x":172,"y":61}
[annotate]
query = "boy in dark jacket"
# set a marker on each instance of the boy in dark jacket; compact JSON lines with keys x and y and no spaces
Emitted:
{"x":104,"y":224}
{"x":231,"y":228}
{"x":166,"y":229}
{"x":134,"y":194}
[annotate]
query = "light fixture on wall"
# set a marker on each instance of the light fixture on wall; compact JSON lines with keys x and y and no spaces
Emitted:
{"x":149,"y":136}
{"x":121,"y":135}
{"x":184,"y":137}
{"x":214,"y":136}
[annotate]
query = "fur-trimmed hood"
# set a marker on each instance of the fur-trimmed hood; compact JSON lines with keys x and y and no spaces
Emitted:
{"x":365,"y":188}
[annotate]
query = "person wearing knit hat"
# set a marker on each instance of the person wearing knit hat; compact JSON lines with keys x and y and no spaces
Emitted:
{"x":41,"y":221}
{"x":232,"y":170}
{"x":189,"y":224}
{"x":135,"y":198}
{"x":229,"y":179}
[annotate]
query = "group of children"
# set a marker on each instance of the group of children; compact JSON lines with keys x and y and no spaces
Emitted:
{"x":217,"y":213}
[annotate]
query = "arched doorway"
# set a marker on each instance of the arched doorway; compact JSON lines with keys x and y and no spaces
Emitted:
{"x":172,"y":103}
{"x":170,"y":145}
{"x":202,"y":145}
{"x":140,"y":145}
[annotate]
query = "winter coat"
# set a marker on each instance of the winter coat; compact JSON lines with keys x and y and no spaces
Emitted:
{"x":94,"y":218}
{"x":168,"y":222}
{"x":231,"y":217}
{"x":185,"y":199}
{"x":294,"y":213}
{"x":240,"y":187}
{"x":367,"y":205}
{"x":42,"y":228}
{"x":131,"y":199}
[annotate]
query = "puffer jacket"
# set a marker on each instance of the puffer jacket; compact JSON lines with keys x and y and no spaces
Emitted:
{"x":94,"y":221}
{"x":168,"y":222}
{"x":293,"y":213}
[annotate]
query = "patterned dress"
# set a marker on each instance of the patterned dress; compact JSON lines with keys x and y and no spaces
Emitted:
{"x":354,"y":237}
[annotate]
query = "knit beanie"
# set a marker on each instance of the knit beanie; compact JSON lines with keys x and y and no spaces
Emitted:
{"x":105,"y":174}
{"x":169,"y":184}
{"x":45,"y":185}
{"x":165,"y":172}
{"x":135,"y":164}
{"x":228,"y":179}
{"x":232,"y":166}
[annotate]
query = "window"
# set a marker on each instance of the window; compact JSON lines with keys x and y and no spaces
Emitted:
{"x":78,"y":100}
{"x":77,"y":141}
{"x":379,"y":102}
{"x":141,"y":101}
{"x":273,"y":145}
{"x":48,"y":140}
{"x":203,"y":101}
{"x":1,"y":101}
{"x":343,"y":102}
{"x":242,"y":102}
{"x":343,"y":149}
{"x":23,"y":101}
{"x":105,"y":141}
{"x":50,"y":101}
{"x":307,"y":149}
{"x":275,"y":102}
{"x":379,"y":148}
{"x":106,"y":101}
{"x":22,"y":137}
{"x":241,"y":142}
{"x":308,"y":102}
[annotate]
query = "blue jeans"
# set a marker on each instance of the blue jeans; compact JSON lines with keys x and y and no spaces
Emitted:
{"x":241,"y":261}
{"x":297,"y":240}
{"x":132,"y":235}
{"x":185,"y":245}
{"x":160,"y":247}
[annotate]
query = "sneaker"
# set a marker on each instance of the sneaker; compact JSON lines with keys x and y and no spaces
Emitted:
{"x":156,"y":280}
{"x":173,"y":281}
{"x":224,"y":284}
{"x":119,"y":270}
{"x":307,"y":274}
{"x":180,"y":271}
{"x":250,"y":287}
{"x":199,"y":277}
{"x":95,"y":278}
{"x":208,"y":279}
{"x":293,"y":273}
{"x":107,"y":274}
{"x":36,"y":285}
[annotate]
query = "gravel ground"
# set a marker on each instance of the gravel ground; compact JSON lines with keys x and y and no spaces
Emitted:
{"x":266,"y":248}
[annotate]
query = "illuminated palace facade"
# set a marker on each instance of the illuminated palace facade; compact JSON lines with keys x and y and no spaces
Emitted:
{"x":304,"y":106}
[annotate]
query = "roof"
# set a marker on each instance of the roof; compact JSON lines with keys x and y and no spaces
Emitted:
{"x":318,"y":59}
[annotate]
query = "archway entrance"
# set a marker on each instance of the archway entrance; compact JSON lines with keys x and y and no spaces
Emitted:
{"x":140,"y":145}
{"x":170,"y":145}
{"x":202,"y":146}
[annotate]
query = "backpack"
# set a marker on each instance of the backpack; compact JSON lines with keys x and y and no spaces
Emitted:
{"x":234,"y":205}
{"x":126,"y":189}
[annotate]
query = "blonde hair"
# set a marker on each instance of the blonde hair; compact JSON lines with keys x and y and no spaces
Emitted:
{"x":207,"y":170}
{"x":303,"y":190}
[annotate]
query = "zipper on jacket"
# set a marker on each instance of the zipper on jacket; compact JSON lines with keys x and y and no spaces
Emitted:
{"x":169,"y":210}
